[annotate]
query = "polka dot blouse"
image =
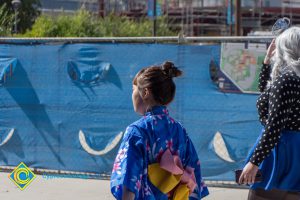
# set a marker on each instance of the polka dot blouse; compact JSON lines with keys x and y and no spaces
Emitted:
{"x":278,"y":108}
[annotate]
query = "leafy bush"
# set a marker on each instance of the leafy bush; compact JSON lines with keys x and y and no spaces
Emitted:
{"x":6,"y":21}
{"x":27,"y":13}
{"x":84,"y":24}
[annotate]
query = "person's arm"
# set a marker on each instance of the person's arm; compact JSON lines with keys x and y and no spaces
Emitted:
{"x":270,"y":53}
{"x":262,"y":105}
{"x":127,"y":194}
{"x":128,"y":166}
{"x":265,"y":72}
{"x":280,"y":101}
{"x":192,"y":160}
{"x":264,"y":77}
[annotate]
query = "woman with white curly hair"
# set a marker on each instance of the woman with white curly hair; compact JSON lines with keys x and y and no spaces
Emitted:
{"x":277,"y":150}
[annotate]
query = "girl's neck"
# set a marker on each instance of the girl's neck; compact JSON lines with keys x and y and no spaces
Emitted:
{"x":149,"y":108}
{"x":150,"y":103}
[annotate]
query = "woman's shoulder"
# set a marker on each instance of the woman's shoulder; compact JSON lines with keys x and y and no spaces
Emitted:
{"x":287,"y":78}
{"x":290,"y":74}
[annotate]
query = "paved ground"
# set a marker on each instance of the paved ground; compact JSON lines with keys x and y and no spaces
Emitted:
{"x":78,"y":189}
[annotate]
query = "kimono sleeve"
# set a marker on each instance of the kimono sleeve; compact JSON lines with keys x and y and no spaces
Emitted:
{"x":128,"y":167}
{"x":194,"y":162}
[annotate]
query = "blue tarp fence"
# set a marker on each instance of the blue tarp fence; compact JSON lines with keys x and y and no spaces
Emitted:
{"x":65,"y":106}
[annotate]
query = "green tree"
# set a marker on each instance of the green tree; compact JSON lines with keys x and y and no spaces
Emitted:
{"x":84,"y":24}
{"x":6,"y":21}
{"x":27,"y":13}
{"x":81,"y":24}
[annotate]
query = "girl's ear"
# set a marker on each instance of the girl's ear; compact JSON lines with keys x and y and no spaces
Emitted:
{"x":145,"y":93}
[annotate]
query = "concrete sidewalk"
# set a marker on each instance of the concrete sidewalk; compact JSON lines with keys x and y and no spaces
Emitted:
{"x":78,"y":189}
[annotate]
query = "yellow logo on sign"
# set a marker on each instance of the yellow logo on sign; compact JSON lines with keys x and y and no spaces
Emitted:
{"x":22,"y":176}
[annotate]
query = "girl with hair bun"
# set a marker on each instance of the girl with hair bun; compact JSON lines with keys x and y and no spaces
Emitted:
{"x":156,"y":160}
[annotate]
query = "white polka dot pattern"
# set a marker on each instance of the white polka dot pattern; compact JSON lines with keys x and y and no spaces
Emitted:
{"x":278,"y":109}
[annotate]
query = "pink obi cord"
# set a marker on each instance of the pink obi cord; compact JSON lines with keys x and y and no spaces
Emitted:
{"x":172,"y":164}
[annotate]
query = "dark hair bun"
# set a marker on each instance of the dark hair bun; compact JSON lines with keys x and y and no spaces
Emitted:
{"x":170,"y":70}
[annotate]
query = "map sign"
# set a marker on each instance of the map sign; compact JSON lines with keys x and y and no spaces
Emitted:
{"x":240,"y":66}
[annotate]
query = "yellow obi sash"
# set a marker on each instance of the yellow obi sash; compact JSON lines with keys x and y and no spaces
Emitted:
{"x":169,"y":174}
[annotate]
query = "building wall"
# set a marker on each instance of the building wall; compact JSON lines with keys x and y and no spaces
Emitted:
{"x":122,"y":5}
{"x":265,"y":3}
{"x":68,"y":5}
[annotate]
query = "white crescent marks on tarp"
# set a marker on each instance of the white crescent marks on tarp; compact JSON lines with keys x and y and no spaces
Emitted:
{"x":7,"y":138}
{"x":107,"y":149}
{"x":106,"y":69}
{"x":220,"y":147}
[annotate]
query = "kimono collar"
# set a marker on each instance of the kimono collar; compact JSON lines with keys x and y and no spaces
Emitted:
{"x":157,"y":110}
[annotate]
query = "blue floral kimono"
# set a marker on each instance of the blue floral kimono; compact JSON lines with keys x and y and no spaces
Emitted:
{"x":143,"y":144}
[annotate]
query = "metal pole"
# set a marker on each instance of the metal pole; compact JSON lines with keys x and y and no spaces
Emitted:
{"x":260,"y":11}
{"x":230,"y":25}
{"x":154,"y":18}
{"x":237,"y":17}
{"x":71,"y":40}
{"x":16,"y":20}
{"x":16,"y":4}
{"x":101,"y":8}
